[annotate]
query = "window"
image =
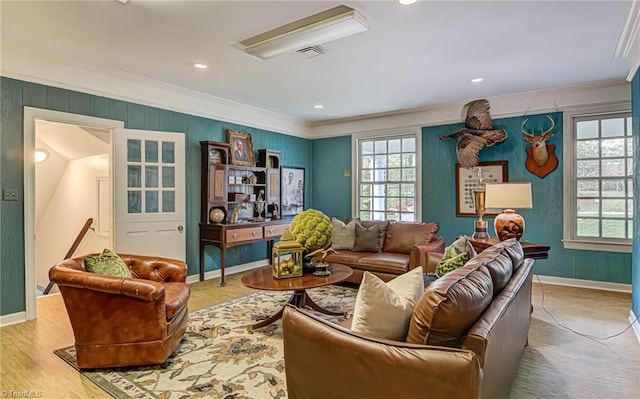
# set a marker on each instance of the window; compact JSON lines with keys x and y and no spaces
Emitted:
{"x":388,"y":180}
{"x":599,"y":180}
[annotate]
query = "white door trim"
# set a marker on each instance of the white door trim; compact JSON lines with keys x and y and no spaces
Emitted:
{"x":30,"y":116}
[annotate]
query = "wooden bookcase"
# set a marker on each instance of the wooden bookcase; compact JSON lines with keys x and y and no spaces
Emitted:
{"x":227,"y":187}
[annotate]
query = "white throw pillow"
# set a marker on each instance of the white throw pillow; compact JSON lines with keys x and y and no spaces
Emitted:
{"x":383,"y":310}
{"x":343,"y":235}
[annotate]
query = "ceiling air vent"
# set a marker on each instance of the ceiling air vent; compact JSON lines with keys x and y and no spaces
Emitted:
{"x":311,"y":51}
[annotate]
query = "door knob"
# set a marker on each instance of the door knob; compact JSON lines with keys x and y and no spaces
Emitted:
{"x":180,"y":228}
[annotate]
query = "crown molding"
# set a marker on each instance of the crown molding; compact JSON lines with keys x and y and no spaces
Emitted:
{"x":629,"y":40}
{"x":51,"y":70}
{"x":539,"y":101}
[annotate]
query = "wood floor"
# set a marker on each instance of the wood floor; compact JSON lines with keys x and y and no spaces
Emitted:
{"x":28,"y":364}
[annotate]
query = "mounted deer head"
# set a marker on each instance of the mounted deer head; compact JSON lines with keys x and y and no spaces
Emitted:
{"x":539,"y":143}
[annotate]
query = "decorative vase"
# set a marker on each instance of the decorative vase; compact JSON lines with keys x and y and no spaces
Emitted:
{"x":509,"y":224}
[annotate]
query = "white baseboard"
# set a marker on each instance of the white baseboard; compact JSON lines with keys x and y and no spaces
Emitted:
{"x":13,"y":318}
{"x":635,"y":324}
{"x":229,"y":270}
{"x":591,"y":284}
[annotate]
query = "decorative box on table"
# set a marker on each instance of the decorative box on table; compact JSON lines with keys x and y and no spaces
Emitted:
{"x":286,"y":258}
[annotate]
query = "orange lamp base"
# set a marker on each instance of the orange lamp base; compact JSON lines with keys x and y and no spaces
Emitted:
{"x":509,"y":224}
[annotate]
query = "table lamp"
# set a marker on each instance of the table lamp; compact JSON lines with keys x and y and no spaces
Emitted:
{"x":508,"y":196}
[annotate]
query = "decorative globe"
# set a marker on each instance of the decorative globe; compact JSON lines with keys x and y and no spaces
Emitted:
{"x":216,"y":215}
{"x":312,"y":229}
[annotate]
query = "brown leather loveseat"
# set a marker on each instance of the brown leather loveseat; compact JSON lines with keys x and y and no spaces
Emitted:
{"x":465,"y":340}
{"x":403,"y":246}
{"x":120,"y":321}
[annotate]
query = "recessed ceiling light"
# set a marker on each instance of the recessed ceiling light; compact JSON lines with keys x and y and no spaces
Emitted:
{"x":407,"y":2}
{"x":318,"y":106}
{"x":477,"y":80}
{"x":41,"y":154}
{"x":198,"y":65}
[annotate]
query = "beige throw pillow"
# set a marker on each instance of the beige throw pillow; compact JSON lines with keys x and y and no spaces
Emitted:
{"x":344,"y":235}
{"x":383,"y":310}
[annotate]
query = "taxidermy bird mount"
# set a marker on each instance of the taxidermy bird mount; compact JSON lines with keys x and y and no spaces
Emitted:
{"x":478,"y":132}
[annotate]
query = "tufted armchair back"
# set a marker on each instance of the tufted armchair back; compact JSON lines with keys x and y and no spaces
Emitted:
{"x":120,"y":321}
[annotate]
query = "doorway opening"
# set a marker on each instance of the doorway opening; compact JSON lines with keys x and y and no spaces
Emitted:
{"x":74,"y":183}
{"x":72,"y":188}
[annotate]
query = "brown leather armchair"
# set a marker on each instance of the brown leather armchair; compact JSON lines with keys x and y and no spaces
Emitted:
{"x":121,"y":321}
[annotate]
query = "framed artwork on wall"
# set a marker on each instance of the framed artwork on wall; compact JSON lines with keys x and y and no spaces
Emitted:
{"x":291,"y":190}
{"x":468,"y":180}
{"x":241,"y":148}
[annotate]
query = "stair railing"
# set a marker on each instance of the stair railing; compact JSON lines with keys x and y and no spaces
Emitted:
{"x":72,"y":250}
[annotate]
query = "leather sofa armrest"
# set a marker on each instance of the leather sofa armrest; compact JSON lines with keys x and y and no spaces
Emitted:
{"x":418,"y":256}
{"x":433,"y":259}
{"x":144,"y":290}
{"x":363,"y":367}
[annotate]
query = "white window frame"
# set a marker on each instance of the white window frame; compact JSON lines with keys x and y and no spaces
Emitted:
{"x":570,"y":241}
{"x":355,"y":164}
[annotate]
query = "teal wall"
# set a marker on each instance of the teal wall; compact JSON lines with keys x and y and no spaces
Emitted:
{"x":16,"y":94}
{"x":635,"y":111}
{"x":544,"y":221}
{"x":331,"y":188}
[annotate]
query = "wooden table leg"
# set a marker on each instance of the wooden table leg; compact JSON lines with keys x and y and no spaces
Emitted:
{"x":201,"y":261}
{"x":222,"y":251}
{"x":299,"y":299}
{"x":277,"y":316}
{"x":306,"y":301}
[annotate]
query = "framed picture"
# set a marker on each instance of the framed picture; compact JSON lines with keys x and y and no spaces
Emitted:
{"x":468,"y":180}
{"x":291,"y":190}
{"x":241,"y":148}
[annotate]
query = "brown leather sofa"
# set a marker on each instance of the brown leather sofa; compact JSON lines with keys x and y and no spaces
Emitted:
{"x":457,"y":347}
{"x":404,"y":246}
{"x":120,"y":321}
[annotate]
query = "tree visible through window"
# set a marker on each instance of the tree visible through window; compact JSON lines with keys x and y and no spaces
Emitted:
{"x":387,"y":183}
{"x":603,"y":184}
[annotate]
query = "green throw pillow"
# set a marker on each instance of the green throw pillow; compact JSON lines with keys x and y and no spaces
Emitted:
{"x":455,"y":256}
{"x":452,"y":263}
{"x":107,"y":263}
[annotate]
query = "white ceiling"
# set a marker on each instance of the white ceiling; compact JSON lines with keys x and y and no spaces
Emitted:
{"x":410,"y":57}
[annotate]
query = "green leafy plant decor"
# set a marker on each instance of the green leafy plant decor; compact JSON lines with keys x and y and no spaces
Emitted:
{"x":312,"y":229}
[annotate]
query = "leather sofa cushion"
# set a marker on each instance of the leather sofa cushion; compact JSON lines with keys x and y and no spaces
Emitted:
{"x":450,"y":306}
{"x":500,"y":269}
{"x":384,"y":262}
{"x":513,"y":248}
{"x":402,"y":236}
{"x":346,"y":257}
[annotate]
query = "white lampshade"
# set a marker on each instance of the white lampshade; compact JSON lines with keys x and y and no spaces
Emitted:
{"x":508,"y":196}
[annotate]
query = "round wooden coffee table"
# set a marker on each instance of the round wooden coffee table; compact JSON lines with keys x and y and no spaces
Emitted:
{"x":262,"y":279}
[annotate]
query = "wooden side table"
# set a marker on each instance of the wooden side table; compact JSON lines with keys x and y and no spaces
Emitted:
{"x":531,"y":250}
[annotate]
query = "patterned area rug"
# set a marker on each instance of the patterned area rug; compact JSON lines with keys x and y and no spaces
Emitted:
{"x":217,"y":357}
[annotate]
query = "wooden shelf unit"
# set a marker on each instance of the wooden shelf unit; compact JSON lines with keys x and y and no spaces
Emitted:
{"x":227,"y":187}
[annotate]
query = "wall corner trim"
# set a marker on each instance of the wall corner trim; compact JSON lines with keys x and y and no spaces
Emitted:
{"x":579,"y":283}
{"x":13,"y":318}
{"x":635,"y":324}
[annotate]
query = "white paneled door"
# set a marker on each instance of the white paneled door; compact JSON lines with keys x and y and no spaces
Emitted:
{"x":150,"y":193}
